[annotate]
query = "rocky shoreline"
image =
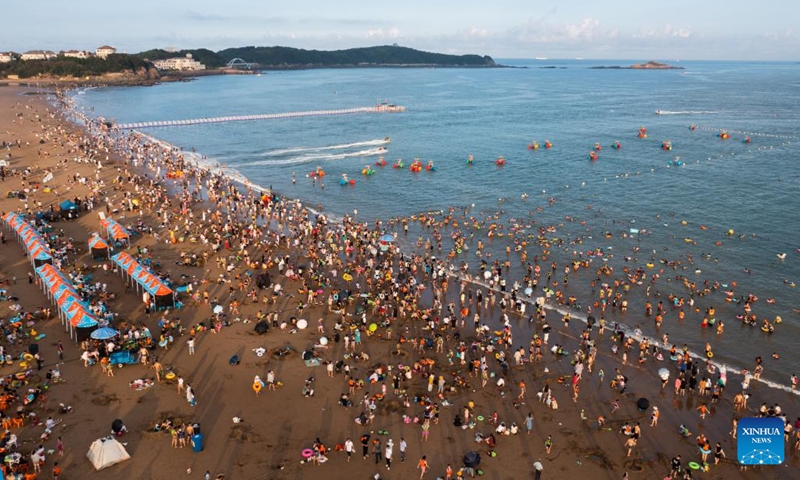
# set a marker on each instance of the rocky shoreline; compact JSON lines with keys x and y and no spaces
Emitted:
{"x":640,"y":66}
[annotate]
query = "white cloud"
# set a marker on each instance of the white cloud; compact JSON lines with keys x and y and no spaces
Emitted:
{"x":586,"y":30}
{"x":475,"y":32}
{"x":787,"y":34}
{"x":384,"y":34}
{"x":667,"y":31}
{"x":538,"y":31}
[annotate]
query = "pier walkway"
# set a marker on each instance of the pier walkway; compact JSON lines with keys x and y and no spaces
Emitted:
{"x":382,"y":108}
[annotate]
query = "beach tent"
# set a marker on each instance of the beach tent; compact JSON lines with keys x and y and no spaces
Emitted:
{"x":36,"y":247}
{"x":115,"y":231}
{"x":99,"y":248}
{"x":67,"y":206}
{"x":72,"y":311}
{"x":162,"y":295}
{"x":40,"y":256}
{"x":80,"y":318}
{"x":106,"y":452}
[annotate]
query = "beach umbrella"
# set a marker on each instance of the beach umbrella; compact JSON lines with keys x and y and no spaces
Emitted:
{"x":218,"y":309}
{"x":663,"y":373}
{"x":104,"y":333}
{"x":472,"y":459}
{"x":387,"y":238}
{"x":643,"y":404}
{"x":302,"y":323}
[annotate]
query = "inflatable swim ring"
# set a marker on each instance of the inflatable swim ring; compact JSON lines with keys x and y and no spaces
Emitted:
{"x":307,"y":453}
{"x":694,"y":465}
{"x":480,"y":418}
{"x":169,"y":376}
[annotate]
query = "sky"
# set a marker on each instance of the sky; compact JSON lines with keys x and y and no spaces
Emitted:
{"x":591,"y":29}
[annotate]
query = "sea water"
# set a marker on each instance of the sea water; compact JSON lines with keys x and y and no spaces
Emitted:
{"x":749,"y":188}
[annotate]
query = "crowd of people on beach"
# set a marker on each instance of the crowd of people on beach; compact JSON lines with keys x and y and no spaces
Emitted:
{"x":423,"y":300}
{"x":457,"y":329}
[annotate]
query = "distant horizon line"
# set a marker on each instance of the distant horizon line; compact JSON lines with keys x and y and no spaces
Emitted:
{"x":579,"y":59}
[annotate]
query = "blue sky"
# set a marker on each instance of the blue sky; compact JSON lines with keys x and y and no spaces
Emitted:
{"x":625,"y":29}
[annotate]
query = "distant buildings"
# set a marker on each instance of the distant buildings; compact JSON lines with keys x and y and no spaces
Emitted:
{"x":76,"y":54}
{"x":105,"y":51}
{"x":38,"y":55}
{"x":179,"y":63}
{"x":101,"y":52}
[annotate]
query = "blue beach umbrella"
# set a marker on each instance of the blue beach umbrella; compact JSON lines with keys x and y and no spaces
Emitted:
{"x":387,"y":238}
{"x":104,"y":333}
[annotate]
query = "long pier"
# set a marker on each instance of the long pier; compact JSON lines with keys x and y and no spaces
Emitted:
{"x":383,"y":108}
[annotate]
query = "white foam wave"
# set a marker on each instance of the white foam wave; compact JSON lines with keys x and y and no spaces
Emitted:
{"x":312,"y":157}
{"x":293,"y":150}
{"x":684,"y":112}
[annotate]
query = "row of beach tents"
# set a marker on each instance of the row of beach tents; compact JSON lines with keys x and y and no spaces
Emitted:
{"x":37,"y":249}
{"x":72,"y":310}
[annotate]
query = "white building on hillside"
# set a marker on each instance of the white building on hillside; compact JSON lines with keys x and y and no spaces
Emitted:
{"x":179,"y":63}
{"x":76,"y":54}
{"x":6,"y":57}
{"x":38,"y":55}
{"x":105,"y":51}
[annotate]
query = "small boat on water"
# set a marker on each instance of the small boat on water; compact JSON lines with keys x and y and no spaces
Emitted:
{"x":659,"y":112}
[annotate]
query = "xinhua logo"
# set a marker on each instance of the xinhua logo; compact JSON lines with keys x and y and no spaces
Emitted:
{"x":760,"y":441}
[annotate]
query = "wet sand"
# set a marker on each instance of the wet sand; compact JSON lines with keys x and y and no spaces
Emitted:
{"x":280,"y":424}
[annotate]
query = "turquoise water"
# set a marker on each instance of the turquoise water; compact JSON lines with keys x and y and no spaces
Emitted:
{"x":751,"y":188}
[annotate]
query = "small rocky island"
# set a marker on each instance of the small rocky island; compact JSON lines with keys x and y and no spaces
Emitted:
{"x":651,"y":65}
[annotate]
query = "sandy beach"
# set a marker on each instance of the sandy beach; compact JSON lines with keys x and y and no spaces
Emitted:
{"x":226,"y":232}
